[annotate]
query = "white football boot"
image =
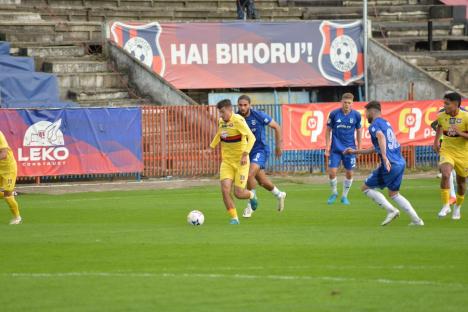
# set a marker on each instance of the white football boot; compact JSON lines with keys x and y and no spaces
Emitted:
{"x":15,"y":221}
{"x":390,"y":217}
{"x":456,"y":213}
{"x":444,"y":211}
{"x":248,"y":211}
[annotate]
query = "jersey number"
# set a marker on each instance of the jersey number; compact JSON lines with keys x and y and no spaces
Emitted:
{"x":392,"y":141}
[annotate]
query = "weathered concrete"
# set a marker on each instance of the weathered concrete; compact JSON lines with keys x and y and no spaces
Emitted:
{"x":145,"y":80}
{"x":390,"y":76}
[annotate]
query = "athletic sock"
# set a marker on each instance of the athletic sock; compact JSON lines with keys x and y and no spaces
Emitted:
{"x":275,"y":191}
{"x":404,"y":204}
{"x":380,"y":200}
{"x":460,"y":199}
{"x":13,"y":205}
{"x":333,"y":184}
{"x":233,"y":213}
{"x":252,"y":193}
{"x":347,"y":186}
{"x":452,"y":185}
{"x":445,"y":197}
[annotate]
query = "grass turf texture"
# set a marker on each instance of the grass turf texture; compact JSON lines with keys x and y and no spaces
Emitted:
{"x":122,"y":251}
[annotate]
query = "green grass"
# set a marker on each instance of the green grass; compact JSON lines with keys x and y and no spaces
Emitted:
{"x":134,"y":251}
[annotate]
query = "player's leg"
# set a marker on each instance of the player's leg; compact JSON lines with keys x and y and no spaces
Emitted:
{"x":240,"y":183}
{"x":453,"y":193}
{"x":349,"y":162}
{"x":227,"y":175}
{"x":373,"y":181}
{"x":251,"y":184}
{"x":333,"y":163}
{"x":266,"y":183}
{"x":8,"y":182}
{"x":446,"y":166}
{"x":461,"y":169}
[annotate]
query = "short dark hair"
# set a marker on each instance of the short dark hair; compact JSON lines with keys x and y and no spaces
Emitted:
{"x":374,"y":105}
{"x":244,"y":97}
{"x":224,"y":103}
{"x":454,"y":97}
{"x":347,"y":96}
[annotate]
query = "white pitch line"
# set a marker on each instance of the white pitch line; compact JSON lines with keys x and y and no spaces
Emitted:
{"x":232,"y":276}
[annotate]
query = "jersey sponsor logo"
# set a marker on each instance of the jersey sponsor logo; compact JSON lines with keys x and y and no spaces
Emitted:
{"x":142,"y":42}
{"x":340,"y":59}
{"x":410,"y":121}
{"x":312,"y":124}
{"x":43,"y":144}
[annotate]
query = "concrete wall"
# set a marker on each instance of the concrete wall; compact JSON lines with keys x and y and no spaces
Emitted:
{"x":390,"y":77}
{"x":145,"y":80}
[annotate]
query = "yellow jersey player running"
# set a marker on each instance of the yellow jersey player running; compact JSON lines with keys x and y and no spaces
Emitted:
{"x":8,"y":178}
{"x":236,"y":142}
{"x":453,"y":125}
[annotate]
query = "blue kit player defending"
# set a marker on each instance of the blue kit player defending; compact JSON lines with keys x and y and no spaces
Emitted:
{"x":392,"y":167}
{"x":342,"y":124}
{"x":257,"y":120}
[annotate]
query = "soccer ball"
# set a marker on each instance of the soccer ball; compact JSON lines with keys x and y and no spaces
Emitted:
{"x":195,"y":217}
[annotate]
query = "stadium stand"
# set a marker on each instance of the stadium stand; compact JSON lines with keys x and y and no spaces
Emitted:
{"x":64,"y":36}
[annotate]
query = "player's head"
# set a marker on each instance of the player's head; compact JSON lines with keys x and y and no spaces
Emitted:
{"x":225,"y":109}
{"x":452,"y":101}
{"x":347,"y":101}
{"x":373,"y":110}
{"x":243,"y":103}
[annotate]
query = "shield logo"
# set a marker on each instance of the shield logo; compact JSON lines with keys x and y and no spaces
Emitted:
{"x":341,"y":57}
{"x":142,"y":42}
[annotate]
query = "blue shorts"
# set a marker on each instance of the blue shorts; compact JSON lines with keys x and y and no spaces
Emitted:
{"x":381,"y":178}
{"x":349,"y":161}
{"x":259,"y":157}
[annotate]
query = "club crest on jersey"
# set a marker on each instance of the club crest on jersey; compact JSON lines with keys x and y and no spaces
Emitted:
{"x":142,"y":42}
{"x":341,"y":57}
{"x":254,"y":122}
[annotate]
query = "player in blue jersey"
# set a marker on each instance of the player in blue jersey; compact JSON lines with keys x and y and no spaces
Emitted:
{"x":342,"y":124}
{"x":257,"y":121}
{"x":392,"y":167}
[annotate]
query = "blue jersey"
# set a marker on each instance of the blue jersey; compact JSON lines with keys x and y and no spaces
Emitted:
{"x":343,"y":128}
{"x":393,"y":147}
{"x":257,"y":121}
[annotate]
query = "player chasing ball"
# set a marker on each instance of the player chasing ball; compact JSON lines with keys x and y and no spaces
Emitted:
{"x":8,"y":171}
{"x":452,"y":123}
{"x":342,"y":124}
{"x":236,"y":143}
{"x":392,"y":167}
{"x":257,"y":120}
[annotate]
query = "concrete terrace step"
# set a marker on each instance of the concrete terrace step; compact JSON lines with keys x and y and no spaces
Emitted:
{"x":97,"y":94}
{"x":114,"y":102}
{"x":421,"y":43}
{"x":75,"y":65}
{"x":19,"y":16}
{"x":408,"y":29}
{"x":92,"y":80}
{"x":53,"y":51}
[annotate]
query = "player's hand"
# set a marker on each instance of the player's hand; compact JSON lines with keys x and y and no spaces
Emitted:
{"x":349,"y":151}
{"x":436,"y":147}
{"x":278,"y":151}
{"x":244,"y":159}
{"x":327,"y":152}
{"x":387,"y":164}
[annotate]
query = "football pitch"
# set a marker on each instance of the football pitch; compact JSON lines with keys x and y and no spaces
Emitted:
{"x":134,"y":251}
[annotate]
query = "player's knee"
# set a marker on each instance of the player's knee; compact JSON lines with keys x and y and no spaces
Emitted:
{"x":364,"y":188}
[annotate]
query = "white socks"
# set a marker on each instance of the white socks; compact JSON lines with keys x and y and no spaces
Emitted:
{"x":333,"y":184}
{"x":404,"y":204}
{"x":275,"y":191}
{"x":380,"y":200}
{"x":347,"y":186}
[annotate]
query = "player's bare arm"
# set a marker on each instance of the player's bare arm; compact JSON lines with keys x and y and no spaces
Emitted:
{"x":436,"y":144}
{"x":360,"y":151}
{"x":359,"y":138}
{"x":278,"y":138}
{"x":383,"y":149}
{"x":327,"y":141}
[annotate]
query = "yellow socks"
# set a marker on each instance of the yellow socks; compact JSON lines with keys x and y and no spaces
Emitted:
{"x":445,"y":196}
{"x":13,"y":205}
{"x":233,"y":213}
{"x":460,"y":199}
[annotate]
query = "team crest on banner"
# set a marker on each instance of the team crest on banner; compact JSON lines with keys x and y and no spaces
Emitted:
{"x":341,"y":57}
{"x":142,"y":42}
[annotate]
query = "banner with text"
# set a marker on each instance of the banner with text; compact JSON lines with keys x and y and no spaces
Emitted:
{"x":74,"y":141}
{"x":304,"y":124}
{"x":246,"y":55}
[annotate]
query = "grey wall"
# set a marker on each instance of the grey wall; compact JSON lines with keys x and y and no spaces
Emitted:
{"x":145,"y":80}
{"x":390,"y":77}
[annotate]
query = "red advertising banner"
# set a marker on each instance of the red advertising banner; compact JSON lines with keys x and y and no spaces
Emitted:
{"x":246,"y":55}
{"x":304,"y":124}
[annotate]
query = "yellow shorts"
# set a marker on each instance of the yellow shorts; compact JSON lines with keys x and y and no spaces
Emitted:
{"x":8,"y":181}
{"x":237,"y":173}
{"x":459,"y":163}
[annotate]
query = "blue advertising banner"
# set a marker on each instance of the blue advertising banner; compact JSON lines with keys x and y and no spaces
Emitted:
{"x":74,"y":141}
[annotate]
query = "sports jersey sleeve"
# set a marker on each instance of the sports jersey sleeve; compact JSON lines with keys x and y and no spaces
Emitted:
{"x":3,"y":141}
{"x":266,"y":119}
{"x":246,"y":133}
{"x":216,"y":139}
{"x":358,"y":121}
{"x":331,"y":120}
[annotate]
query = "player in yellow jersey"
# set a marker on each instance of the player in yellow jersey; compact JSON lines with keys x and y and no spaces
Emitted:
{"x":236,"y":142}
{"x":8,"y":178}
{"x":453,"y":125}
